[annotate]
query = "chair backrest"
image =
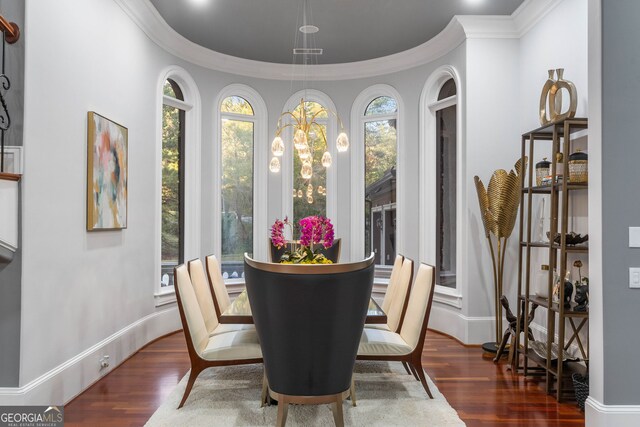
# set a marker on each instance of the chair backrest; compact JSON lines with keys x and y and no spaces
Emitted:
{"x":332,"y":253}
{"x":395,"y":272}
{"x":400,"y":296}
{"x":193,"y":324}
{"x":416,"y":319}
{"x":309,"y":320}
{"x":203,"y":294}
{"x":220,"y":295}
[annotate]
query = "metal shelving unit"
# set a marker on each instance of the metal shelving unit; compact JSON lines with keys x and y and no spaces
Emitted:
{"x":559,"y":135}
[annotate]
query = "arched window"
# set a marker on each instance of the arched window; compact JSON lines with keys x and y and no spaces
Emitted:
{"x":380,"y":166}
{"x":178,"y":172}
{"x":172,"y":222}
{"x":239,"y":181}
{"x":377,"y":192}
{"x":443,"y":208}
{"x":446,"y":188}
{"x":237,"y":127}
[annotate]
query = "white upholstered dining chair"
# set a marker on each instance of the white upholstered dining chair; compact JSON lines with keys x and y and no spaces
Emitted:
{"x":204,"y":294}
{"x":214,"y":274}
{"x":407,"y":344}
{"x":398,"y":296}
{"x":205,"y":350}
{"x":395,"y":272}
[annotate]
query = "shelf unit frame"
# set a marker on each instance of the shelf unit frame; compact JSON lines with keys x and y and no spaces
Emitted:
{"x":559,"y":134}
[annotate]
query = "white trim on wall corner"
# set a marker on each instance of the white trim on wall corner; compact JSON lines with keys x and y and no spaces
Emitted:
{"x":145,"y":16}
{"x":598,"y":414}
{"x":67,"y":380}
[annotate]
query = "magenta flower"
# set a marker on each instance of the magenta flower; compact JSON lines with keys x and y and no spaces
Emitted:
{"x":328,"y":233}
{"x":277,"y":233}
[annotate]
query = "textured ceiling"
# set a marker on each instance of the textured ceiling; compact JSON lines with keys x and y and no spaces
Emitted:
{"x":350,"y":30}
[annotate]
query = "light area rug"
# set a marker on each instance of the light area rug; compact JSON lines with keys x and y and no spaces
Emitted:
{"x":230,"y":396}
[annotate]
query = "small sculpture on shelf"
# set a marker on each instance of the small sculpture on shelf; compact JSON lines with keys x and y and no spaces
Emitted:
{"x":582,"y":289}
{"x":568,"y":289}
{"x":571,"y":239}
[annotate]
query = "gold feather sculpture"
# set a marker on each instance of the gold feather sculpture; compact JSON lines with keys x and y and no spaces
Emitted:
{"x":499,"y":208}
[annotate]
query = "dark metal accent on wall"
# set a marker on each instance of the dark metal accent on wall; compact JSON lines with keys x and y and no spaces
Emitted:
{"x":10,"y":34}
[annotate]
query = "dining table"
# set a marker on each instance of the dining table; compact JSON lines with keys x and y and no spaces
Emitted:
{"x":240,"y":311}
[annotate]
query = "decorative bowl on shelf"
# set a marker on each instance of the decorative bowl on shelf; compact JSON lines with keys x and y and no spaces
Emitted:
{"x":571,"y":239}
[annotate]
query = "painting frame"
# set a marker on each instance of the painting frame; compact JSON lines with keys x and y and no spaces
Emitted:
{"x":107,"y":174}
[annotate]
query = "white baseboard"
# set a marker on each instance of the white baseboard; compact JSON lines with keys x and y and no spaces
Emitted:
{"x":64,"y":382}
{"x":468,"y":330}
{"x":600,"y":415}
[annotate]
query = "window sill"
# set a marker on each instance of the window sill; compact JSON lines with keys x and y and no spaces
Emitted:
{"x":164,"y":297}
{"x":448,"y":296}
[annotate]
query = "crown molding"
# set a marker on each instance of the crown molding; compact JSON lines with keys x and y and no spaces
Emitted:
{"x":460,"y":28}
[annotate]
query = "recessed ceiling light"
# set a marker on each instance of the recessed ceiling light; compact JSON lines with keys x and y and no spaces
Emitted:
{"x":309,"y":29}
{"x":474,"y":2}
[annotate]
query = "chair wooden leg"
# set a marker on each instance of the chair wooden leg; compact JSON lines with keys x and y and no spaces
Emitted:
{"x":264,"y":397}
{"x":406,"y":367}
{"x":193,"y":374}
{"x":413,"y":371}
{"x":337,"y":411}
{"x":352,"y":392}
{"x":283,"y":409}
{"x":418,"y":368}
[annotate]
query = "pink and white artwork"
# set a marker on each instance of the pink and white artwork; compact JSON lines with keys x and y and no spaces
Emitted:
{"x":106,"y":174}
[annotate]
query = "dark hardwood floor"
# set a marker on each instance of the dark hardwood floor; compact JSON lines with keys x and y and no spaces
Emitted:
{"x":484,"y":394}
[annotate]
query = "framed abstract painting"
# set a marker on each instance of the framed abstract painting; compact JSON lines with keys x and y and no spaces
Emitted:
{"x":107,"y":173}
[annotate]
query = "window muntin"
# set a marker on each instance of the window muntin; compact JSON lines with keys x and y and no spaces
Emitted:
{"x":446,"y":207}
{"x":237,"y":161}
{"x":301,"y":207}
{"x":380,"y":167}
{"x":172,"y":225}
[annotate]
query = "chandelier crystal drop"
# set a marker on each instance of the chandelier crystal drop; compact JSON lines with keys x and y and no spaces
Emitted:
{"x":342,"y":143}
{"x":274,"y":166}
{"x":277,"y":147}
{"x":306,"y":171}
{"x":300,"y":194}
{"x":326,"y":159}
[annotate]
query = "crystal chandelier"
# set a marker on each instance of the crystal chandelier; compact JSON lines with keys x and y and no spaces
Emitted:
{"x":304,"y":123}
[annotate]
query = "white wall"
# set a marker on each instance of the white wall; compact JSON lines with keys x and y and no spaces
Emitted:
{"x":559,"y":40}
{"x":492,"y":143}
{"x":80,"y":287}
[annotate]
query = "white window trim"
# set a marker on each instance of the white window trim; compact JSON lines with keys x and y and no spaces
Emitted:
{"x":357,"y":166}
{"x":312,"y":95}
{"x":192,"y":148}
{"x":260,"y":170}
{"x":429,"y":104}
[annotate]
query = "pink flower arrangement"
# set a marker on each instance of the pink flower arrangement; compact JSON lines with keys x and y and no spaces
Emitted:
{"x":313,"y":230}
